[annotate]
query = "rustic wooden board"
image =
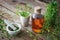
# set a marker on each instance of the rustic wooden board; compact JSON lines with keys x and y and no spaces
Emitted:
{"x":11,"y":5}
{"x":9,"y":13}
{"x":8,"y":6}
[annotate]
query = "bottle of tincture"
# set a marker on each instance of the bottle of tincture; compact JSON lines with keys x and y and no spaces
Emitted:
{"x":37,"y":20}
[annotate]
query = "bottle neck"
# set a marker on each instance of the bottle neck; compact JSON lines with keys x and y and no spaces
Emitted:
{"x":37,"y":16}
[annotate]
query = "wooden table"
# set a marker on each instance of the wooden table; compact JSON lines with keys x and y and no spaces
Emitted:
{"x":7,"y":7}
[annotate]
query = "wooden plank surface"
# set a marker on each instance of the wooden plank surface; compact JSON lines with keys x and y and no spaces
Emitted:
{"x":10,"y":10}
{"x":8,"y":6}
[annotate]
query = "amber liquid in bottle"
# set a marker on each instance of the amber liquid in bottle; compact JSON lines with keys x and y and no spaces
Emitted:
{"x":37,"y":24}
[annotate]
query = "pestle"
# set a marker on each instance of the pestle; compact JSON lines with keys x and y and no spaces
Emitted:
{"x":10,"y":24}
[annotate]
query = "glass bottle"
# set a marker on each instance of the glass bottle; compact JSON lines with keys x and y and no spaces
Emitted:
{"x":37,"y":21}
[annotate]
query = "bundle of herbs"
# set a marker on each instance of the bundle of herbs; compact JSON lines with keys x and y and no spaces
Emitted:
{"x":24,"y":13}
{"x":50,"y":15}
{"x":57,"y":28}
{"x":52,"y":23}
{"x":27,"y":8}
{"x":3,"y":32}
{"x":1,"y":23}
